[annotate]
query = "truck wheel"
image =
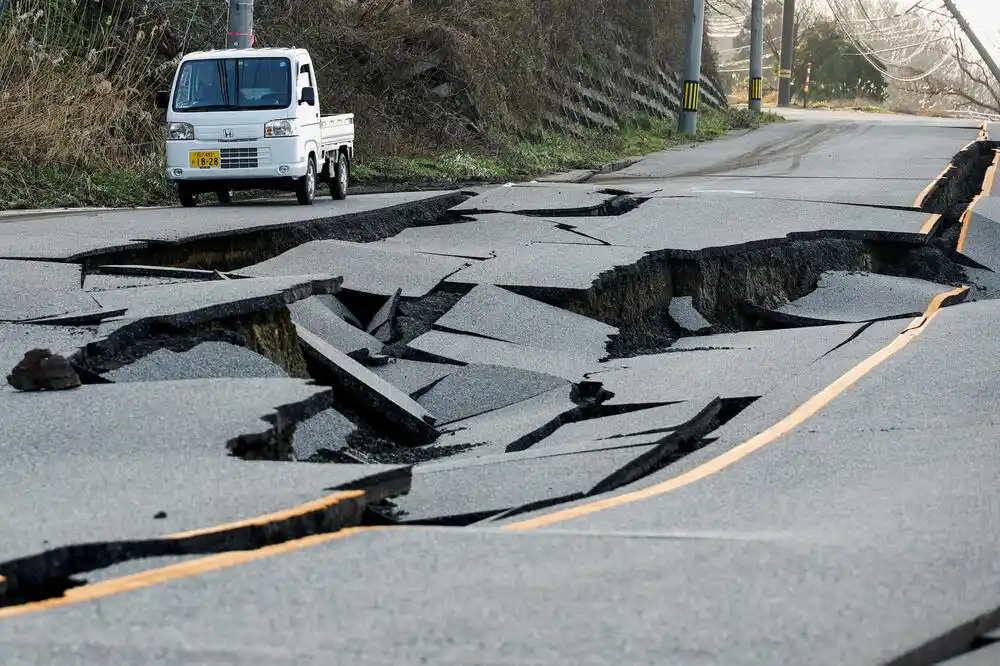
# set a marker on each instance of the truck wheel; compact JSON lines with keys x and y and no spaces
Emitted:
{"x":338,"y":184}
{"x":305,"y":189}
{"x":188,"y":198}
{"x":225,"y":196}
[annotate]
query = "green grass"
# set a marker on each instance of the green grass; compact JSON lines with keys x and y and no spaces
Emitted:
{"x":30,"y":186}
{"x":546,"y":152}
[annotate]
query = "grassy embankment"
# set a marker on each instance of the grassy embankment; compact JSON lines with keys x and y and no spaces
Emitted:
{"x":77,"y":81}
{"x":142,"y":184}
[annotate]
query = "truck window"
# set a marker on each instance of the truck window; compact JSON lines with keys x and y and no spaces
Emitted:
{"x":231,"y":84}
{"x":305,"y":78}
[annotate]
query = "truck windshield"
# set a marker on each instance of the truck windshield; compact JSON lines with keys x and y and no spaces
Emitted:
{"x":234,"y":84}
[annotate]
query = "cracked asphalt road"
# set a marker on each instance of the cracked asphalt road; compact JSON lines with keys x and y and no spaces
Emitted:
{"x":806,"y":475}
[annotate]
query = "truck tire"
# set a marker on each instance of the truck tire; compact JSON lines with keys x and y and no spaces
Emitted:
{"x":338,"y":184}
{"x":305,"y":189}
{"x":187,"y":197}
{"x":225,"y":196}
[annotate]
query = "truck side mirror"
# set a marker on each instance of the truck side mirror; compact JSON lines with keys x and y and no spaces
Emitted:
{"x":162,"y":99}
{"x":308,"y":96}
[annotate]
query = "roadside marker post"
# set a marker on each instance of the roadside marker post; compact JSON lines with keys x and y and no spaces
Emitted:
{"x":756,"y":55}
{"x":687,"y":122}
{"x":805,"y":88}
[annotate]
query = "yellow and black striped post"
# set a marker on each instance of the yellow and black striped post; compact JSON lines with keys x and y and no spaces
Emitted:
{"x":687,"y":120}
{"x":691,"y":96}
{"x":756,"y":54}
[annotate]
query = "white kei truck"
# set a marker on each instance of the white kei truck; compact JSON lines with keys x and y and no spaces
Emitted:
{"x":249,"y":119}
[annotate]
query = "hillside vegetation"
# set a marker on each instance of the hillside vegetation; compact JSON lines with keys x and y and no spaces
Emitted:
{"x":443,"y":89}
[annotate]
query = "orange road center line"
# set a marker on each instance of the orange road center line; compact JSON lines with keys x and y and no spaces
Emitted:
{"x":930,"y":223}
{"x":302,"y":509}
{"x":991,"y":174}
{"x":966,"y":216}
{"x":177,"y":571}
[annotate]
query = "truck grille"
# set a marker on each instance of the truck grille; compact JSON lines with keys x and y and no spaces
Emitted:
{"x":238,"y":158}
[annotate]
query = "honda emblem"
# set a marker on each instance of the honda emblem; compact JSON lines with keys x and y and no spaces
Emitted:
{"x":228,"y":133}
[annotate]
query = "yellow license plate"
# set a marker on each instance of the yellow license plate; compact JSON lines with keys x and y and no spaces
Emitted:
{"x":205,"y":159}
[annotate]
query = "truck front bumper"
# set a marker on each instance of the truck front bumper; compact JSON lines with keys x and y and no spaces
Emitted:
{"x":269,"y":159}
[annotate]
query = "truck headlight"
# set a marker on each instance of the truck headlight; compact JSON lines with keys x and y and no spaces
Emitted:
{"x":279,"y":128}
{"x":180,"y":131}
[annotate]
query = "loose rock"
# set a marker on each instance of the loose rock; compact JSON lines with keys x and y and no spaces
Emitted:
{"x":42,"y":370}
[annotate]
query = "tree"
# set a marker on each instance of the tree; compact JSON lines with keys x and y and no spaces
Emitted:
{"x":806,"y":15}
{"x":838,"y":70}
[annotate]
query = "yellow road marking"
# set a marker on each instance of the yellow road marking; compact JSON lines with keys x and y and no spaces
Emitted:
{"x":965,"y":224}
{"x":924,"y":193}
{"x":177,"y":571}
{"x":930,"y":223}
{"x":991,"y":174}
{"x":86,"y":592}
{"x":759,"y":441}
{"x":302,"y":509}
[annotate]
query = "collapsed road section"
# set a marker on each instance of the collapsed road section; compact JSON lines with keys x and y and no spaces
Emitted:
{"x":529,"y":347}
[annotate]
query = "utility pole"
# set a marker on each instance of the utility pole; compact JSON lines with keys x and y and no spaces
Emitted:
{"x":239,"y":31}
{"x":787,"y":54}
{"x":987,"y":58}
{"x":688,"y":121}
{"x":756,"y":55}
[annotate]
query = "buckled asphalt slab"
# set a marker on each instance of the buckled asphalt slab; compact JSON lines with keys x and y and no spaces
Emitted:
{"x":369,"y":392}
{"x":60,"y":238}
{"x":490,"y":433}
{"x":732,"y":365}
{"x":496,"y":313}
{"x":483,"y":237}
{"x":979,"y":239}
{"x":547,"y":266}
{"x":195,"y":300}
{"x":686,"y":316}
{"x":474,"y":389}
{"x":33,"y":290}
{"x":484,"y":351}
{"x":313,"y":315}
{"x":537,"y":198}
{"x":413,"y":377}
{"x":366,"y":267}
{"x":842,"y":297}
{"x":608,"y":430}
{"x":699,"y":223}
{"x":207,"y":360}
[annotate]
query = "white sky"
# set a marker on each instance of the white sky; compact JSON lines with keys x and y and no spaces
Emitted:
{"x":984,"y":16}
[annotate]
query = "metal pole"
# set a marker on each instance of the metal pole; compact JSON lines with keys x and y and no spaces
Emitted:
{"x":787,"y":54}
{"x":987,"y":58}
{"x":756,"y":54}
{"x":688,"y":121}
{"x":239,"y":32}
